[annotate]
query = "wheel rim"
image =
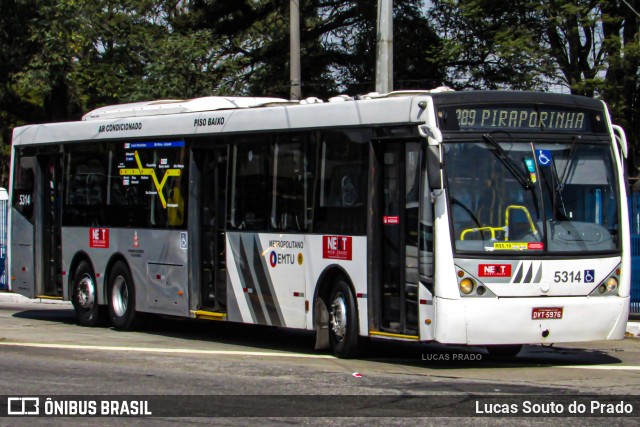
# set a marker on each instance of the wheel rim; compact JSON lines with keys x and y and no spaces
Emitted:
{"x":120,"y":296}
{"x":86,"y":293}
{"x":339,"y":316}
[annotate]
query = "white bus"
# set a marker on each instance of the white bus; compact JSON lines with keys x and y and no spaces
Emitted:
{"x":4,"y":214}
{"x":471,"y":218}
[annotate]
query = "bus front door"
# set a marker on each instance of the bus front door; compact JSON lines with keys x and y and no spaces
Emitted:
{"x":397,"y":217}
{"x":213,"y":180}
{"x":48,"y":236}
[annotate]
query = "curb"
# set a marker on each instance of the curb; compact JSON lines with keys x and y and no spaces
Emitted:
{"x":633,"y":329}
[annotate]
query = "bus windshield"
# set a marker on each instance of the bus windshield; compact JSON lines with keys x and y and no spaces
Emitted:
{"x":518,"y":195}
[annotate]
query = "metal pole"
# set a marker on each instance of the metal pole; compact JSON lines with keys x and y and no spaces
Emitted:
{"x":294,"y":46}
{"x":384,"y":51}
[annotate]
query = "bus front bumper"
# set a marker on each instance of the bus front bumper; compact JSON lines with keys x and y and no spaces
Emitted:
{"x":485,"y":321}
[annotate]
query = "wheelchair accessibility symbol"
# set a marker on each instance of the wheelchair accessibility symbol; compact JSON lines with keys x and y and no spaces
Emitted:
{"x":544,"y":157}
{"x":589,"y":276}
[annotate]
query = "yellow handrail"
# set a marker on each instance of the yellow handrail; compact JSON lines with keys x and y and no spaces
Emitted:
{"x":505,"y":228}
{"x":475,"y":230}
{"x":526,"y":212}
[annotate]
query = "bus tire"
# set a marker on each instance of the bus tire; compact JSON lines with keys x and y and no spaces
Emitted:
{"x":343,"y":321}
{"x":504,"y":352}
{"x":122,"y":297}
{"x":84,"y":296}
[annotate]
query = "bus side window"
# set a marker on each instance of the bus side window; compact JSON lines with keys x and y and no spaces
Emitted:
{"x":154,"y":197}
{"x":24,"y":176}
{"x":85,"y":177}
{"x":250,"y":185}
{"x":343,"y":183}
{"x":292,"y":199}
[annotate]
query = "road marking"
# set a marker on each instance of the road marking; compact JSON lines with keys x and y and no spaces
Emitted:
{"x":604,"y":367}
{"x":167,"y":350}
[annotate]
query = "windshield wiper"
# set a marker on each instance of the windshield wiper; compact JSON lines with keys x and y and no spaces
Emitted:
{"x":560,"y":182}
{"x":508,"y":163}
{"x":569,"y":167}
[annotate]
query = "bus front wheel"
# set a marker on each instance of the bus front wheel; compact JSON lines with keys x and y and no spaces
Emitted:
{"x":122,"y":297}
{"x":343,"y":321}
{"x":84,"y":296}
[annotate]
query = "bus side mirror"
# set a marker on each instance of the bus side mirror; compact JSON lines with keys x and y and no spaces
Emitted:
{"x":434,"y":174}
{"x":434,"y":140}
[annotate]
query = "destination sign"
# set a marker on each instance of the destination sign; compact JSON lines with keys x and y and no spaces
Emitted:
{"x":526,"y":118}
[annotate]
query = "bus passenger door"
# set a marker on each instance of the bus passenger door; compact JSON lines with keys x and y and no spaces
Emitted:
{"x":37,"y":230}
{"x":397,"y":215}
{"x":213,"y":192}
{"x":50,"y":237}
{"x":23,"y":216}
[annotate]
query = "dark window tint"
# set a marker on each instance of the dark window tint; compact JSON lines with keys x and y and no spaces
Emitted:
{"x":251,"y":182}
{"x":292,"y":204}
{"x":148,"y":185}
{"x":23,"y":185}
{"x":85,"y":182}
{"x":343,"y":182}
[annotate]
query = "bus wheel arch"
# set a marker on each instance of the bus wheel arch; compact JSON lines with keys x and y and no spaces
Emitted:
{"x":121,"y":294}
{"x":84,"y":291}
{"x":335,"y":313}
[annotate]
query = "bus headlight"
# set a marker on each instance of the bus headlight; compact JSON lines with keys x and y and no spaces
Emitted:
{"x":612,"y":284}
{"x":467,"y":285}
{"x":609,"y":286}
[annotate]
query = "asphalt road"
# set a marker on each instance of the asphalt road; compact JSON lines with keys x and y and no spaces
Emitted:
{"x":275,"y":375}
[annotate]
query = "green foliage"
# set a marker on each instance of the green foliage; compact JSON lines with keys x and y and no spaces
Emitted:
{"x":415,"y":48}
{"x":590,"y":47}
{"x":492,"y":44}
{"x":60,"y":58}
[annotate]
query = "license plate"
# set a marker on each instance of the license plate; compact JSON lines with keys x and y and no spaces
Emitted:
{"x":546,"y":313}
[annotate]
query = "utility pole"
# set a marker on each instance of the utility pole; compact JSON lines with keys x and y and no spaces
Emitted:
{"x":294,"y":50}
{"x":384,"y":48}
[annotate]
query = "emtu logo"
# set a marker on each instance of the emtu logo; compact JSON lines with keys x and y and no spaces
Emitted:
{"x":275,"y":259}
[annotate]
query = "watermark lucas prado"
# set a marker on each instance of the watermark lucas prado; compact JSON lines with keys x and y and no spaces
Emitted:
{"x":452,"y":357}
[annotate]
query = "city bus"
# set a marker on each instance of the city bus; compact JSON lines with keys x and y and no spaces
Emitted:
{"x":479,"y":218}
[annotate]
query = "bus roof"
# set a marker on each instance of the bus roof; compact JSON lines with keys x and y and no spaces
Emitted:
{"x":216,"y":115}
{"x":177,"y":106}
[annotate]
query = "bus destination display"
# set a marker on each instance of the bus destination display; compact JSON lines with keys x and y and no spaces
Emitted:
{"x":519,"y":118}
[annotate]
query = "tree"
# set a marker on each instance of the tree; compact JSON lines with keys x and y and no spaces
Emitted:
{"x":337,"y":43}
{"x":621,"y":85}
{"x":416,"y":47}
{"x":16,"y":50}
{"x":590,"y":47}
{"x":60,"y":58}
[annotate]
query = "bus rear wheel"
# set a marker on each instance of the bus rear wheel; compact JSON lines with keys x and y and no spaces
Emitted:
{"x":122,"y":297}
{"x":343,"y":321}
{"x":84,"y":296}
